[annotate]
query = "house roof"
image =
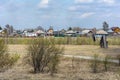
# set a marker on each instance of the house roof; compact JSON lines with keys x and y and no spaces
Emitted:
{"x":85,"y":31}
{"x":70,"y":32}
{"x":40,"y":32}
{"x":101,"y":32}
{"x":110,"y":30}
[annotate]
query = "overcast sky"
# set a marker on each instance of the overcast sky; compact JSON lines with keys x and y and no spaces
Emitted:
{"x":59,"y":13}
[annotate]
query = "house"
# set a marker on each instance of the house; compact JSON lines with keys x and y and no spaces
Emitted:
{"x":70,"y":33}
{"x":110,"y":32}
{"x":116,"y":30}
{"x":56,"y":33}
{"x":87,"y":33}
{"x":50,"y":31}
{"x":40,"y":33}
{"x":60,"y":33}
{"x":29,"y":34}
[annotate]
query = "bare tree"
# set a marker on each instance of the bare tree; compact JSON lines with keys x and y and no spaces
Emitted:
{"x":105,"y":26}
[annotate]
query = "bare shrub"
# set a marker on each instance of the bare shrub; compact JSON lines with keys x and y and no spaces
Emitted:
{"x":6,"y":60}
{"x":118,"y":58}
{"x":44,"y":55}
{"x":95,"y":63}
{"x":106,"y":62}
{"x":75,"y":69}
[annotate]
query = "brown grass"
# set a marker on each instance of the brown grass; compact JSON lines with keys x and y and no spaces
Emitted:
{"x":81,"y":70}
{"x":83,"y":50}
{"x":90,"y":50}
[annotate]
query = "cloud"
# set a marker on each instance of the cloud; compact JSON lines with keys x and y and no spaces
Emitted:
{"x":46,"y":16}
{"x":107,"y":1}
{"x":85,"y":15}
{"x":93,"y":1}
{"x":43,"y":4}
{"x":83,"y":1}
{"x":78,"y":7}
{"x":12,"y":5}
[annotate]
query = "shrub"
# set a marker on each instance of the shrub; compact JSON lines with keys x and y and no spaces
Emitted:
{"x":44,"y":55}
{"x":6,"y":60}
{"x":106,"y":62}
{"x":13,"y":58}
{"x":95,"y":63}
{"x":118,"y":57}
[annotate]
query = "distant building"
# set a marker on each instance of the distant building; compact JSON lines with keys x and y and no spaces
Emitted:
{"x":87,"y":33}
{"x":29,"y":34}
{"x":40,"y":33}
{"x":50,"y":31}
{"x":60,"y":33}
{"x":110,"y":32}
{"x":70,"y":33}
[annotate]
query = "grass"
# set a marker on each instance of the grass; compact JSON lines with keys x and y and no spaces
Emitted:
{"x":83,"y":50}
{"x":67,"y":40}
{"x":66,"y":72}
{"x":77,"y":46}
{"x":22,"y":71}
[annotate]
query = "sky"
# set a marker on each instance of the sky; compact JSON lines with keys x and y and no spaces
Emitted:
{"x":22,"y":14}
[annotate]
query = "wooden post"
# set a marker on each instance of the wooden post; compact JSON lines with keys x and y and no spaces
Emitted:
{"x":104,"y":40}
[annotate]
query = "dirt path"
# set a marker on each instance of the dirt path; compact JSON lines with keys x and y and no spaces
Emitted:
{"x":90,"y":58}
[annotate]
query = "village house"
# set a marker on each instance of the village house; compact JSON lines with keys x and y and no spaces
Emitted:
{"x":27,"y":33}
{"x":60,"y":33}
{"x":70,"y":33}
{"x":50,"y":31}
{"x":87,"y":33}
{"x":40,"y":33}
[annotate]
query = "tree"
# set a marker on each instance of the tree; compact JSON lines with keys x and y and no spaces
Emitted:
{"x":70,"y":28}
{"x":105,"y":26}
{"x":76,"y":29}
{"x":40,"y":28}
{"x":51,"y":28}
{"x":9,"y":29}
{"x":0,"y":28}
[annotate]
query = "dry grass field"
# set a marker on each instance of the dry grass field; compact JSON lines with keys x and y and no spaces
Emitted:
{"x":90,"y":50}
{"x":80,"y":70}
{"x":83,"y":50}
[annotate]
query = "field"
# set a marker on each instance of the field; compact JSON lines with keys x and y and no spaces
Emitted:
{"x":83,"y":50}
{"x":66,"y":40}
{"x":79,"y":70}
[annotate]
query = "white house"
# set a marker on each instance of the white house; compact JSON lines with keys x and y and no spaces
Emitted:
{"x":70,"y":33}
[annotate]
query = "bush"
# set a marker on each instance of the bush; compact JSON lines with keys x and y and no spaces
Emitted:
{"x":95,"y":63}
{"x":6,"y":60}
{"x":106,"y":62}
{"x":44,"y":55}
{"x":118,"y":58}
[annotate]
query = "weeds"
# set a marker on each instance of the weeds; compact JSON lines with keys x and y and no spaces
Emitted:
{"x":6,"y":60}
{"x":106,"y":62}
{"x":44,"y":55}
{"x":95,"y":63}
